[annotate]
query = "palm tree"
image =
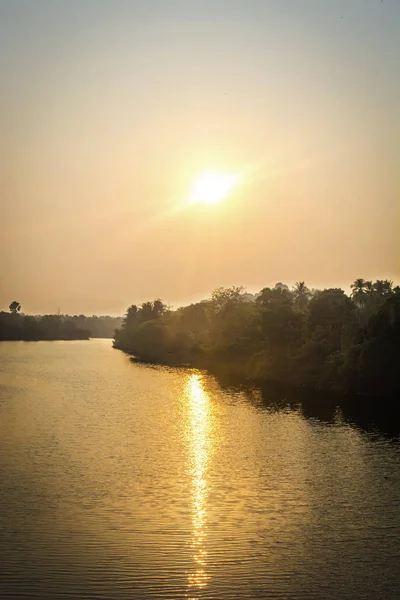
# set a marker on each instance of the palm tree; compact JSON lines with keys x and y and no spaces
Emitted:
{"x":380,"y":287}
{"x":301,"y":296}
{"x":358,"y":292}
{"x":387,"y":286}
{"x":369,"y":286}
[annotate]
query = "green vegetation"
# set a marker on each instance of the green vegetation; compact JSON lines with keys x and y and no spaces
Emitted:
{"x":17,"y":326}
{"x":320,"y":339}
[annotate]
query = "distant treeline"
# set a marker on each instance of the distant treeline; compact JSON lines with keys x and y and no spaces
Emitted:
{"x":321,"y":339}
{"x":16,"y":326}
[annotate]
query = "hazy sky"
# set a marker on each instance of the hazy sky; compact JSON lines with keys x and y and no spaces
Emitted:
{"x":109,"y":110}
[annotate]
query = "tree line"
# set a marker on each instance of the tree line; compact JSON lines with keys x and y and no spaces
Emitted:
{"x":320,"y":339}
{"x":14,"y":325}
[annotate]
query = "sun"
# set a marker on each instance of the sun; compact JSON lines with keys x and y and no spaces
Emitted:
{"x":211,"y":188}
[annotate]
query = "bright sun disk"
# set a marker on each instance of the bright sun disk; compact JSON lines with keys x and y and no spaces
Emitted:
{"x":211,"y":188}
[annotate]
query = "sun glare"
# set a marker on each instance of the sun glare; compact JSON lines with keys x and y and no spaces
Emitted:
{"x":211,"y":188}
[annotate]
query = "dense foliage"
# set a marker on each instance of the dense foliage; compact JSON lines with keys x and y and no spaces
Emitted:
{"x":320,"y":339}
{"x":17,"y":326}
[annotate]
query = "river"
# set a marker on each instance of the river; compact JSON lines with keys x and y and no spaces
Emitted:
{"x":120,"y":480}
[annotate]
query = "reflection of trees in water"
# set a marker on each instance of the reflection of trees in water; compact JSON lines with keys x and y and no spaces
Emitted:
{"x":369,"y":413}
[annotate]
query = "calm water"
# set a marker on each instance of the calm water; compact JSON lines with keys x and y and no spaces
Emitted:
{"x":125,"y":481}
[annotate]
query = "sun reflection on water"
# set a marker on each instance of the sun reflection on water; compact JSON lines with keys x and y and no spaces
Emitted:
{"x":200,"y":450}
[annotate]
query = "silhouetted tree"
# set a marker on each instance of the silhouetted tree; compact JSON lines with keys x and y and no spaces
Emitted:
{"x":15,"y":307}
{"x":379,"y":356}
{"x":358,"y":293}
{"x":368,"y":286}
{"x":223,"y":298}
{"x":14,"y":326}
{"x":383,"y":287}
{"x":277,"y":295}
{"x":301,"y":295}
{"x":324,"y":339}
{"x":281,"y":286}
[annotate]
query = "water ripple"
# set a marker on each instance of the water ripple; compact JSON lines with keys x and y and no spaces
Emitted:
{"x":118,"y":481}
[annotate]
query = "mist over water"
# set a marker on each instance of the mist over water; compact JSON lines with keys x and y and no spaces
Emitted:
{"x":120,"y":480}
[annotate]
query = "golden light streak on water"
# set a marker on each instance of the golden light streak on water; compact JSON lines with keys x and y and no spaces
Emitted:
{"x":200,"y":452}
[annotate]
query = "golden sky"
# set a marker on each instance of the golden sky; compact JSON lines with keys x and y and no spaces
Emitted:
{"x":110,"y":111}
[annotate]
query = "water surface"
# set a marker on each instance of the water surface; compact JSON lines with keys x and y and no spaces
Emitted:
{"x":120,"y":480}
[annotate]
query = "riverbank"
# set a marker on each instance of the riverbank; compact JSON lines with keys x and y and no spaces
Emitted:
{"x":15,"y":326}
{"x":368,"y":411}
{"x":331,"y":342}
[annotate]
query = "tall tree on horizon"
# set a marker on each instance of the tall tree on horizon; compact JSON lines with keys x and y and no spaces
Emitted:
{"x":369,"y":287}
{"x":301,"y":296}
{"x":383,"y":287}
{"x":358,"y":291}
{"x":15,"y":307}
